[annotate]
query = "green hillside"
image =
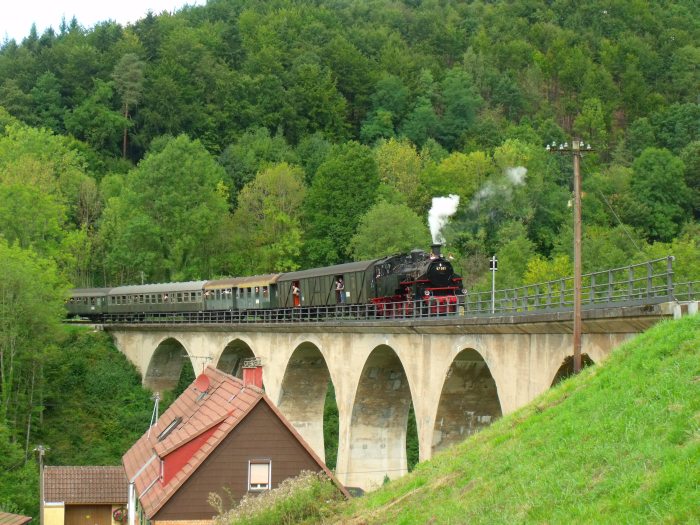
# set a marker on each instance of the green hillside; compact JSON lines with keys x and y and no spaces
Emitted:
{"x":618,"y":444}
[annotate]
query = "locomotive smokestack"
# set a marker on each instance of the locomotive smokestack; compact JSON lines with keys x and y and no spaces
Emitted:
{"x":435,"y":249}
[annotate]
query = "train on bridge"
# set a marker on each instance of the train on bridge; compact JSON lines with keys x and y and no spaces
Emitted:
{"x":392,"y":286}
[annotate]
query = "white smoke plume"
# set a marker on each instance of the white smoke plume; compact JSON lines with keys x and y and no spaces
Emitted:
{"x":516,"y":175}
{"x":441,"y":210}
{"x":503,"y":187}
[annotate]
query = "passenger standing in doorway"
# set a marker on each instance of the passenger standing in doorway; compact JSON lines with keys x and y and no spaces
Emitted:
{"x":339,"y":290}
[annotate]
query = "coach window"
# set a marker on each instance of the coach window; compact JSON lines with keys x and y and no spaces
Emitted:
{"x":259,"y":475}
{"x":265,"y":291}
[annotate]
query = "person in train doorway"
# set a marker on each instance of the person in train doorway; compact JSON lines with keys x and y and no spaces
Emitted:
{"x":296,"y":295}
{"x":339,"y":291}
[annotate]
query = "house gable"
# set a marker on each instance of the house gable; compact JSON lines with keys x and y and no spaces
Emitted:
{"x":260,"y":435}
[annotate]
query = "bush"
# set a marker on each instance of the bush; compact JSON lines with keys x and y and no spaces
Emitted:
{"x":309,"y":495}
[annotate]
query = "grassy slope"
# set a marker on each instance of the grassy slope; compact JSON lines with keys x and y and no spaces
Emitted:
{"x":618,"y":444}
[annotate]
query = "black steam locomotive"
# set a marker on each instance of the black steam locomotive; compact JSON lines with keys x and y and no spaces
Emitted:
{"x":397,"y":285}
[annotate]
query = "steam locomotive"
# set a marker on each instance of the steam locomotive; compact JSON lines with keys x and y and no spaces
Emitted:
{"x":398,"y":285}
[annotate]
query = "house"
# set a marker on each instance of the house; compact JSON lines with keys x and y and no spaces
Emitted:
{"x":221,"y":435}
{"x":84,"y":495}
{"x":13,"y":519}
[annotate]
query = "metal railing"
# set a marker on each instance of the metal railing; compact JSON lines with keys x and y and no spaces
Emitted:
{"x":645,"y":283}
{"x":687,"y":291}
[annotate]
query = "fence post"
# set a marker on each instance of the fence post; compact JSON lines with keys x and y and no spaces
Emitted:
{"x":650,"y":276}
{"x":669,"y":275}
{"x":562,"y":293}
{"x":591,"y":296}
{"x":630,"y":282}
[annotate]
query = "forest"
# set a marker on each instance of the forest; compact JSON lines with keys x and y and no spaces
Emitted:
{"x":248,"y":136}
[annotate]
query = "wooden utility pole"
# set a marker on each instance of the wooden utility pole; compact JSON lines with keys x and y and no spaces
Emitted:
{"x":41,"y":450}
{"x":576,"y":153}
{"x":577,"y":148}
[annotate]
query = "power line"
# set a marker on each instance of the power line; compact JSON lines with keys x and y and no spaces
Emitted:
{"x":619,"y":221}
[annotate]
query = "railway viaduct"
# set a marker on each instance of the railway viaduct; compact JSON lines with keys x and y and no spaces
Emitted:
{"x":459,"y":373}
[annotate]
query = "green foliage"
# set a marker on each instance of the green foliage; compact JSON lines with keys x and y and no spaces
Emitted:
{"x":266,"y":224}
{"x":296,"y":500}
{"x":686,"y":250}
{"x":250,"y":154}
{"x":31,"y":306}
{"x":95,"y":405}
{"x":95,"y":122}
{"x":387,"y":229}
{"x":166,"y":220}
{"x":19,"y":479}
{"x":540,"y":270}
{"x":658,"y":186}
{"x":331,"y":426}
{"x":342,"y":192}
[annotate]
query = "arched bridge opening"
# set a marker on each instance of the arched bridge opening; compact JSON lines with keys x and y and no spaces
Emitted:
{"x":167,"y":365}
{"x":566,"y":369}
{"x":303,"y":394}
{"x":468,"y":402}
{"x":379,"y":421}
{"x":231,"y":360}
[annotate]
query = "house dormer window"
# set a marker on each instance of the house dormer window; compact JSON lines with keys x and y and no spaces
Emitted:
{"x":259,"y":474}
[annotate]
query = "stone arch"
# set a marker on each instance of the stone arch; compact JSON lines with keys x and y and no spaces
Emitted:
{"x":566,"y":369}
{"x":468,"y":401}
{"x":166,"y":365}
{"x":379,"y":418}
{"x":232,"y":357}
{"x":303,"y":394}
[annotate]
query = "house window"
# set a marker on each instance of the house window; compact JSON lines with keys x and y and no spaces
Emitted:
{"x":259,"y":474}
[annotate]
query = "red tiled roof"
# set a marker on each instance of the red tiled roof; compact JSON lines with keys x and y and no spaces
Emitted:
{"x":224,"y":404}
{"x":85,"y":484}
{"x":13,"y":519}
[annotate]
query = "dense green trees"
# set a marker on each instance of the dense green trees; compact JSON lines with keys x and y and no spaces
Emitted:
{"x":166,"y":221}
{"x":266,"y":227}
{"x":31,"y":307}
{"x":344,"y":188}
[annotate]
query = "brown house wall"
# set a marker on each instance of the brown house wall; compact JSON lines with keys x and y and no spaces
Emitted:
{"x":261,"y":435}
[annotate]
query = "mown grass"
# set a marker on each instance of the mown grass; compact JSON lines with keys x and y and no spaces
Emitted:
{"x":618,"y":444}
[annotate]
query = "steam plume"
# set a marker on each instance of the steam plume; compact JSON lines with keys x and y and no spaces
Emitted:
{"x":441,"y":210}
{"x":503,"y":187}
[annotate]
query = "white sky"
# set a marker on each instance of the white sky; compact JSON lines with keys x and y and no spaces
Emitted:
{"x":17,"y":16}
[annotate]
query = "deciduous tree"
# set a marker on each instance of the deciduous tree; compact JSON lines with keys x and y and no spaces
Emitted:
{"x":386,"y":229}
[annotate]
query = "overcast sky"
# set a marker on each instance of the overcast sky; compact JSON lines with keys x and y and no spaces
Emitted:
{"x":17,"y":16}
